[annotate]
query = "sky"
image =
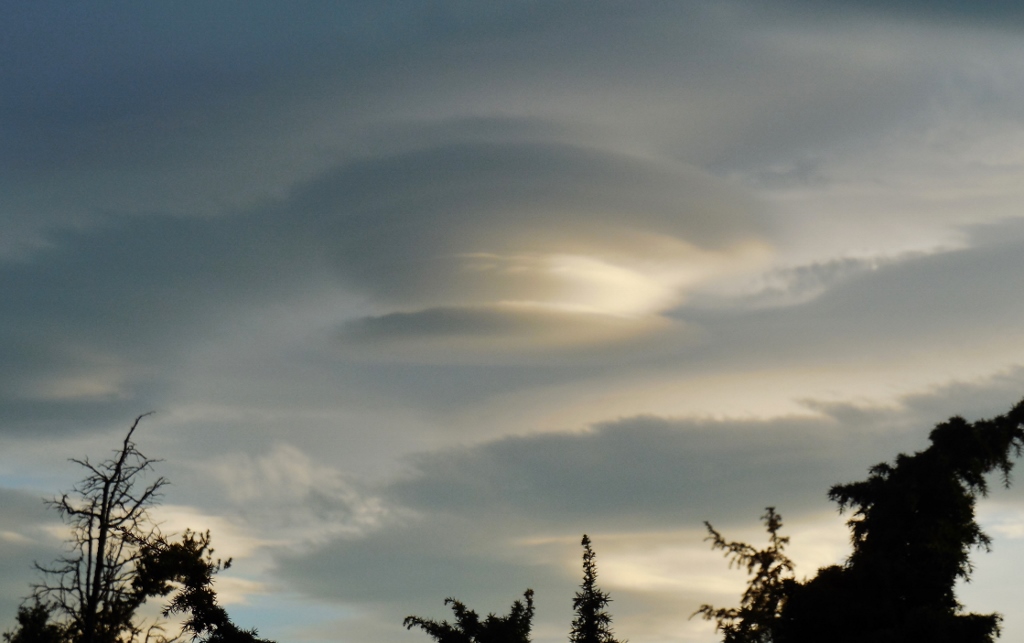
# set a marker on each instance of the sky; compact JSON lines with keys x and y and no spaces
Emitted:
{"x":421,"y":292}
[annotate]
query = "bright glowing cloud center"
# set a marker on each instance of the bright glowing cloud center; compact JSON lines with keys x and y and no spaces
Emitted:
{"x":614,"y":284}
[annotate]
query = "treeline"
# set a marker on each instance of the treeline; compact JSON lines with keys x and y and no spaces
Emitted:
{"x":912,"y":528}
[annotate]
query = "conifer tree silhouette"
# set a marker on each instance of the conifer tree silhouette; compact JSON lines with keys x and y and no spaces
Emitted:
{"x":913,"y":529}
{"x":592,"y":623}
{"x":187,"y":568}
{"x":469,"y":628}
{"x":756,"y":619}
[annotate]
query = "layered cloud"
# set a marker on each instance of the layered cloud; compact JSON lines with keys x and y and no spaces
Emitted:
{"x":423,"y":292}
{"x":509,"y":239}
{"x":488,"y":275}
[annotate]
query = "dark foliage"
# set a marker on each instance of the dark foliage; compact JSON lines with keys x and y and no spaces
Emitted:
{"x":35,"y":626}
{"x":592,"y":623}
{"x":913,"y":530}
{"x":189,"y":566}
{"x":469,"y":628}
{"x":756,"y":619}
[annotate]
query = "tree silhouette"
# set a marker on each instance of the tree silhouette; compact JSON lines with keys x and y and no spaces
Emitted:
{"x":913,"y":530}
{"x":35,"y":626}
{"x":592,"y":623}
{"x":468,"y":628}
{"x":756,"y":619}
{"x":118,"y":559}
{"x":189,"y":567}
{"x":90,"y":590}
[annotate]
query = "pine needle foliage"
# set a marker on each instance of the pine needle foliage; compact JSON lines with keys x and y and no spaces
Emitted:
{"x":468,"y":627}
{"x":592,"y":623}
{"x":913,"y":529}
{"x":754,"y":621}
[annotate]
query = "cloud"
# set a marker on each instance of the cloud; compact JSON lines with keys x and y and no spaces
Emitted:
{"x":111,"y":111}
{"x":999,"y":15}
{"x":286,"y":493}
{"x":432,"y":558}
{"x":650,"y":470}
{"x":650,"y":473}
{"x":956,"y":302}
{"x":503,"y":237}
{"x":499,"y":334}
{"x":786,"y":286}
{"x":91,"y":324}
{"x":25,"y":536}
{"x":96,"y":326}
{"x":420,"y":225}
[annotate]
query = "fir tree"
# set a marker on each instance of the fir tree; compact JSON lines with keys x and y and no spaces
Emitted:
{"x":592,"y":623}
{"x":470,"y":628}
{"x":756,"y":619}
{"x":913,"y":530}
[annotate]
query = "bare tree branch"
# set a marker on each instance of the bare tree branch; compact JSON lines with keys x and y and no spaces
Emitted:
{"x":91,"y":587}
